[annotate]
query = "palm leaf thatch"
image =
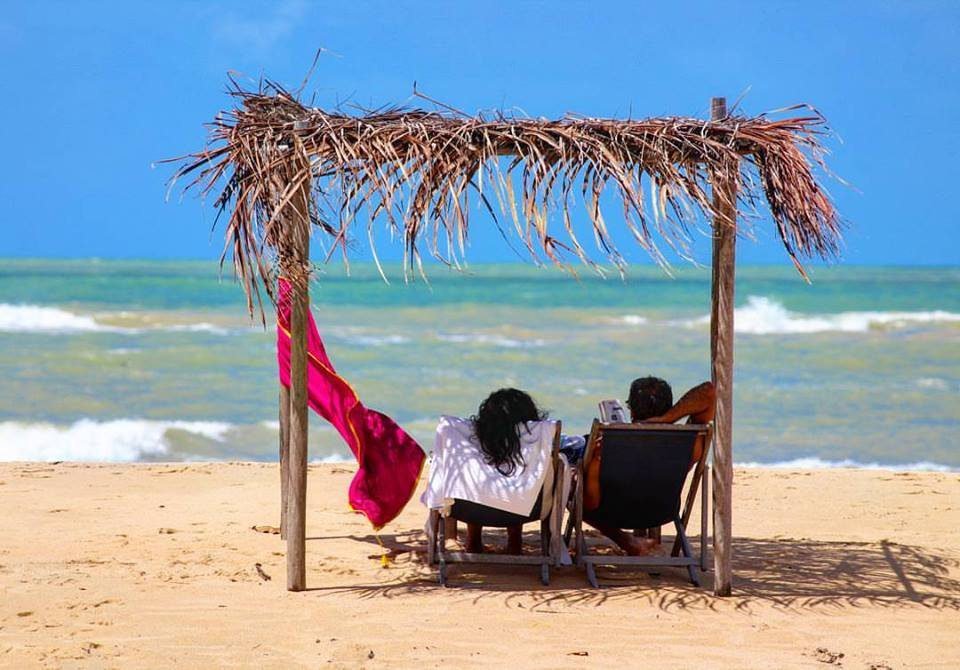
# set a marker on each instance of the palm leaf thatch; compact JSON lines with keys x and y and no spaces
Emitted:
{"x":415,"y":172}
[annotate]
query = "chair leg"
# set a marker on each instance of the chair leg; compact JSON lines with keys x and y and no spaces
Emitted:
{"x":570,"y":506}
{"x":433,"y":520}
{"x":568,"y":532}
{"x":578,"y":524}
{"x":546,"y":536}
{"x":442,"y":553}
{"x":592,"y":576}
{"x":704,"y":516}
{"x":687,"y":553}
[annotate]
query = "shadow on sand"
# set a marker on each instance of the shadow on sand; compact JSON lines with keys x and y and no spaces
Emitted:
{"x":787,"y":573}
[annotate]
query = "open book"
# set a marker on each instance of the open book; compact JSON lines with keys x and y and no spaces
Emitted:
{"x":612,"y":411}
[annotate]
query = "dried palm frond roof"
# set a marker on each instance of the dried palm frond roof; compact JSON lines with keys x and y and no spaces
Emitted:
{"x":415,"y":171}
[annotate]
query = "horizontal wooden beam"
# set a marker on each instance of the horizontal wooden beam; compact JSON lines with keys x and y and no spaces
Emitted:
{"x":642,"y":561}
{"x":465,"y":557}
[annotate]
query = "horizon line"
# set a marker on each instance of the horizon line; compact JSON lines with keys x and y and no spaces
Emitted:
{"x":467,"y":264}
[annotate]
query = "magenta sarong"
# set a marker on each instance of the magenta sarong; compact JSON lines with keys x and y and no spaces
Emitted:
{"x":390,"y":460}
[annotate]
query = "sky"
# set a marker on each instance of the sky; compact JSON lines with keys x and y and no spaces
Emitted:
{"x":98,"y":92}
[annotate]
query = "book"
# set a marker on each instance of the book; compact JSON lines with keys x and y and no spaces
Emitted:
{"x":612,"y":411}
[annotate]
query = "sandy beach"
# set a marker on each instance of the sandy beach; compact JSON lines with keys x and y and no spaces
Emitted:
{"x":156,"y":565}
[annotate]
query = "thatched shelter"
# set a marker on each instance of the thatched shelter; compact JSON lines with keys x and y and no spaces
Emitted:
{"x":280,"y":170}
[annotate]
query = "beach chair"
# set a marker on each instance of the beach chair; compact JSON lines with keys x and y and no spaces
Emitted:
{"x":548,"y":510}
{"x":642,"y":475}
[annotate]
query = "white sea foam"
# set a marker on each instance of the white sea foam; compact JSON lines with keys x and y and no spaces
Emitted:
{"x":633,"y":319}
{"x":495,"y":340}
{"x":197,"y":328}
{"x":270,"y":425}
{"x":934,"y":383}
{"x":334,"y":458}
{"x":89,"y":440}
{"x":815,"y":463}
{"x":764,"y":316}
{"x":378,"y":340}
{"x":45,"y":319}
{"x":38,"y":319}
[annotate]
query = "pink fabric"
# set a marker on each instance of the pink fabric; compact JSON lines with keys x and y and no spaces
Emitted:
{"x":390,"y":460}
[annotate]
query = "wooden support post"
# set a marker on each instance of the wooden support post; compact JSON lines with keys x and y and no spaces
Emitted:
{"x":296,"y":517}
{"x":284,"y":403}
{"x":724,"y":186}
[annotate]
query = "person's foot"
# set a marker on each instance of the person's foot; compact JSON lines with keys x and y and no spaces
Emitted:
{"x":638,"y":546}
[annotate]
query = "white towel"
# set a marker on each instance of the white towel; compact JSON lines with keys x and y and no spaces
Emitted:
{"x":458,"y":470}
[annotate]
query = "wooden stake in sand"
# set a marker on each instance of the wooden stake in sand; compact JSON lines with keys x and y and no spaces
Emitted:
{"x":295,"y":527}
{"x":724,"y":186}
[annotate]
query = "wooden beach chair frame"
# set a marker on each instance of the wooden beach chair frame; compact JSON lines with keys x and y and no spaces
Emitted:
{"x":681,"y":554}
{"x":550,"y":526}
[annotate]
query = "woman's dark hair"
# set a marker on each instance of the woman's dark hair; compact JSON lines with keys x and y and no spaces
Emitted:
{"x":498,"y":423}
{"x":649,"y":396}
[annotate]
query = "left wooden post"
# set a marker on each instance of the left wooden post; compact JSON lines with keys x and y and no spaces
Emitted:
{"x":295,"y":526}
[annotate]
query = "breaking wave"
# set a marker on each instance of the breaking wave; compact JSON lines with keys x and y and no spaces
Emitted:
{"x":119,"y":440}
{"x":44,"y":319}
{"x":37,"y":319}
{"x":764,"y":316}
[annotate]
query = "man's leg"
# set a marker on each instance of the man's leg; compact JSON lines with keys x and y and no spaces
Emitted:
{"x":515,"y":539}
{"x":474,"y":538}
{"x":632,"y":546}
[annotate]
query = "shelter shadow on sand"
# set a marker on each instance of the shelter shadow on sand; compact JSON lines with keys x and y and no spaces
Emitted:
{"x":788,"y":573}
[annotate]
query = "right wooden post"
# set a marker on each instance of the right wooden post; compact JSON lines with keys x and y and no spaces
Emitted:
{"x":724,"y":187}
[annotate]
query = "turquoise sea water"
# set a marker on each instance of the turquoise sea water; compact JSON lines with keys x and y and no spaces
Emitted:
{"x":134,"y":360}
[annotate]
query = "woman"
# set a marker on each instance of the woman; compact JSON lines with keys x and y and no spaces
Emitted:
{"x":498,"y":426}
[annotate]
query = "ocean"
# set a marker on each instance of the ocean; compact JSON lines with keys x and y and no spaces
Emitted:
{"x":159,"y":361}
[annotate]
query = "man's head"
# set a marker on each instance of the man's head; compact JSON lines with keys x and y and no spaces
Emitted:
{"x":649,"y":397}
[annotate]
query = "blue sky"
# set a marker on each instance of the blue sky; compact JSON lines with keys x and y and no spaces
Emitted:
{"x":97,"y":91}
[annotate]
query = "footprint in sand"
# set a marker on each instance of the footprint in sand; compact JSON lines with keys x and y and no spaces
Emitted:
{"x":824,"y":655}
{"x":270,"y":530}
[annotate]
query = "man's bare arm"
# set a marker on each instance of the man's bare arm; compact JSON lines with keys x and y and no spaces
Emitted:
{"x":699,"y":403}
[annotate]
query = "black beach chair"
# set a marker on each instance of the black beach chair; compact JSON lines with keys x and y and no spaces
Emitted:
{"x":548,"y":510}
{"x":642,"y":474}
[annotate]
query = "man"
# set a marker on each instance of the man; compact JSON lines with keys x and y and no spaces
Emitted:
{"x":650,"y":401}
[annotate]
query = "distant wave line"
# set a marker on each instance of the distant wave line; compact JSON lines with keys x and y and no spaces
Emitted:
{"x":815,"y":463}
